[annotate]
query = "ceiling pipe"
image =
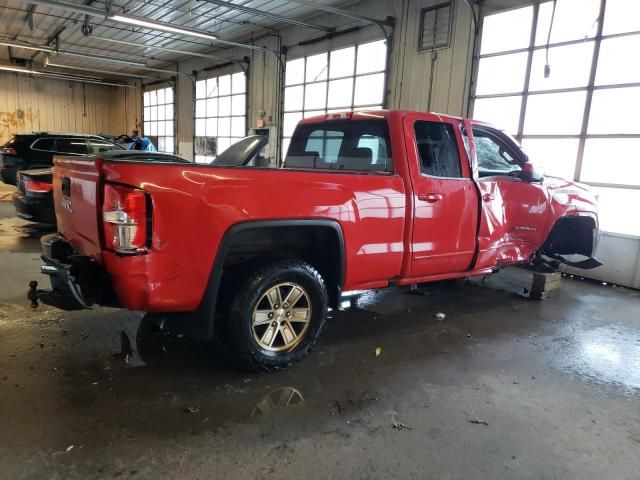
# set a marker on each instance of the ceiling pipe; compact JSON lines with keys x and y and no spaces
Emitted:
{"x":273,"y":16}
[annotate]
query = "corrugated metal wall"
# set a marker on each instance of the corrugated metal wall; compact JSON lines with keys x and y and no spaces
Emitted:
{"x":39,"y":104}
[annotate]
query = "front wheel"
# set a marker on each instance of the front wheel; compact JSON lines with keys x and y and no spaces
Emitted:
{"x":277,"y":315}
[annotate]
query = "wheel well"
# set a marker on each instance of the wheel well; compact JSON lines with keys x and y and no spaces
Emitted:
{"x":571,"y":235}
{"x":319,"y":245}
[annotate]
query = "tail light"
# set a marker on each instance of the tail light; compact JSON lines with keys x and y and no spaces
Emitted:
{"x":8,"y":151}
{"x":125,"y":219}
{"x":34,"y":186}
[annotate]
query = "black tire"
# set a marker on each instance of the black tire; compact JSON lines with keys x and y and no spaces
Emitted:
{"x":249,"y":354}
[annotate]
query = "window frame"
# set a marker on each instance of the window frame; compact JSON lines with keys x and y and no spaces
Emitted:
{"x":173,"y":120}
{"x":218,"y":117}
{"x":356,"y":45}
{"x":591,"y":87}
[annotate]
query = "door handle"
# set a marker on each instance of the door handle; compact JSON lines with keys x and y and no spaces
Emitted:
{"x":430,"y":197}
{"x":487,"y":197}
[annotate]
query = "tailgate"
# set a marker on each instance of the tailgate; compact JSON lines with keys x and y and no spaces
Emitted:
{"x":76,"y":196}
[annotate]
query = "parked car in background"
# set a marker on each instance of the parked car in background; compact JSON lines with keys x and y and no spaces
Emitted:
{"x":256,"y":255}
{"x":34,"y":198}
{"x":26,"y":151}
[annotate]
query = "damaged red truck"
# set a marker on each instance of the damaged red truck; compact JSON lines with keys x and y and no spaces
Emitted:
{"x":256,"y":255}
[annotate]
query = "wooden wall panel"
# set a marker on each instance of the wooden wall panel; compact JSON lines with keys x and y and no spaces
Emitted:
{"x":39,"y":104}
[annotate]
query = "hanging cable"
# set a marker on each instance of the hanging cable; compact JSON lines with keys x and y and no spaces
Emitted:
{"x":547,"y":68}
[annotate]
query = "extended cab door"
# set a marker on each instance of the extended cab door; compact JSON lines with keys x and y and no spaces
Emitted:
{"x":445,"y":197}
{"x":514,"y":209}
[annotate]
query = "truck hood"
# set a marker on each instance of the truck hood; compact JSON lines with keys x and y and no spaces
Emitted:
{"x":571,"y":198}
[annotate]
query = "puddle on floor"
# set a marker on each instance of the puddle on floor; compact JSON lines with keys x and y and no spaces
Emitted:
{"x":608,"y":355}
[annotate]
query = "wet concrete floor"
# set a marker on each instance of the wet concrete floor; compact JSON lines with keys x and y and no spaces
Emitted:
{"x":502,"y":387}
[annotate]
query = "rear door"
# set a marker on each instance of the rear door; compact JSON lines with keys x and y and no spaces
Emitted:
{"x":514,"y":211}
{"x":76,"y":189}
{"x":445,"y":198}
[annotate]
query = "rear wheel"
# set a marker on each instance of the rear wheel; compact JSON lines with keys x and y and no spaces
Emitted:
{"x":276,"y":316}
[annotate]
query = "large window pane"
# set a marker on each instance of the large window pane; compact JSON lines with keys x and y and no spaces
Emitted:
{"x":315,"y":96}
{"x":574,"y":20}
{"x":224,"y":111}
{"x":614,"y":62}
{"x":612,"y":215}
{"x":558,"y":113}
{"x":621,"y":16}
{"x":611,"y":111}
{"x":317,"y":67}
{"x":611,"y":160}
{"x":506,"y":31}
{"x":293,"y":98}
{"x":502,"y":112}
{"x":295,"y":72}
{"x":290,"y":122}
{"x":238,"y":82}
{"x":201,"y":89}
{"x":340,"y":93}
{"x":342,"y":62}
{"x":570,"y":67}
{"x":555,"y":156}
{"x":369,"y":89}
{"x":502,"y":74}
{"x":372,"y":57}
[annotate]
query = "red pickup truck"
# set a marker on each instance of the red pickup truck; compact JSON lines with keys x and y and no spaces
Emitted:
{"x":256,"y":255}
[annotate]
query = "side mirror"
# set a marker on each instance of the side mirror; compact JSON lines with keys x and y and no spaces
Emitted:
{"x":529,"y":174}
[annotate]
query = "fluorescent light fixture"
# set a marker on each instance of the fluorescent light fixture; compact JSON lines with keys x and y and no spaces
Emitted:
{"x":167,"y":27}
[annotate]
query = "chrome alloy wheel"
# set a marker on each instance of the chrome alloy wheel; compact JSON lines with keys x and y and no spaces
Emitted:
{"x":281,"y":317}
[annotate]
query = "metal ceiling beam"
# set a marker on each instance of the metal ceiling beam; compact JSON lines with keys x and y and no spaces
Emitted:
{"x":157,"y":47}
{"x":74,"y":78}
{"x":272,"y":16}
{"x":152,"y":24}
{"x":74,"y":53}
{"x":342,"y":13}
{"x":99,"y":70}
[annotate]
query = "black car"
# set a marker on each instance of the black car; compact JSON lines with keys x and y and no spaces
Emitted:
{"x":27,"y":151}
{"x":34,"y":198}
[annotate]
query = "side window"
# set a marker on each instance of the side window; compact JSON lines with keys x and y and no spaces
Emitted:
{"x":438,"y":150}
{"x":46,"y":144}
{"x":71,"y":145}
{"x":97,"y":146}
{"x":493,"y":155}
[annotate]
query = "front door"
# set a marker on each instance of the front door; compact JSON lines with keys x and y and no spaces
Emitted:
{"x":514,"y":211}
{"x":445,"y":198}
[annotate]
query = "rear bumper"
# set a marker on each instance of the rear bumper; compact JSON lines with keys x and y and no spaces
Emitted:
{"x":35,"y":209}
{"x":77,"y":281}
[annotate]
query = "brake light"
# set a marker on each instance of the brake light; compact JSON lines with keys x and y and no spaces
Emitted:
{"x":124,"y":215}
{"x":8,"y":151}
{"x":34,"y":186}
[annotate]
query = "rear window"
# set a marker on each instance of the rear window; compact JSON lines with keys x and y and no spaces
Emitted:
{"x":360,"y":145}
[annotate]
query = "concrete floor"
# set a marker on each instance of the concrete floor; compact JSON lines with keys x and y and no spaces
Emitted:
{"x":503,"y":387}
